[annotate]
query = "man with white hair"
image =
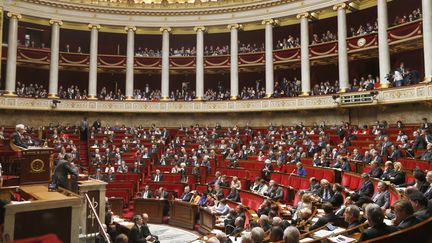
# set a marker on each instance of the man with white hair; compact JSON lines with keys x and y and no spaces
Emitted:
{"x":375,"y":218}
{"x":17,"y":136}
{"x":291,"y":235}
{"x":257,"y":235}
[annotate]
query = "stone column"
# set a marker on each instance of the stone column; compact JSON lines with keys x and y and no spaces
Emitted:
{"x":342,"y":46}
{"x":165,"y":62}
{"x":12,"y":53}
{"x":130,"y":55}
{"x":427,"y":38}
{"x":54,"y":58}
{"x":199,"y":90}
{"x":269,"y":56}
{"x":234,"y":77}
{"x":383,"y":46}
{"x":305,"y":63}
{"x":94,"y":30}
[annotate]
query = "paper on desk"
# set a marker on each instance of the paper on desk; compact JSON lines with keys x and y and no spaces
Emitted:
{"x":388,"y":222}
{"x":322,"y":233}
{"x":341,"y":239}
{"x":307,"y":239}
{"x":314,"y":220}
{"x":216,"y":231}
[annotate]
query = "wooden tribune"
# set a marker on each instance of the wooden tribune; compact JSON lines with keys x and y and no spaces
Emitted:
{"x":183,"y":214}
{"x":152,"y":207}
{"x":208,"y":221}
{"x":33,"y":165}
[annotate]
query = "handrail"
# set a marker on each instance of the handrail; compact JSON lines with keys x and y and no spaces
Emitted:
{"x":104,"y":233}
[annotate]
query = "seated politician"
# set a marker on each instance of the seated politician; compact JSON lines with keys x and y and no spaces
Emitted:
{"x":18,"y":135}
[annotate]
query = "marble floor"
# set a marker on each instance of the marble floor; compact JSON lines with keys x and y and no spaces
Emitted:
{"x":170,"y":234}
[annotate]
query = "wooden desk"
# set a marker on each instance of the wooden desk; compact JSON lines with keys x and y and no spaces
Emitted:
{"x":207,"y":220}
{"x":116,"y":204}
{"x":153,"y":207}
{"x":48,"y":212}
{"x":183,"y":214}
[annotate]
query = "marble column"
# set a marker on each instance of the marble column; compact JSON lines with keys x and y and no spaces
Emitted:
{"x":12,"y":53}
{"x":427,"y":38}
{"x":93,"y":69}
{"x":165,"y":63}
{"x":234,"y":70}
{"x":199,"y":90}
{"x":383,"y":46}
{"x":342,"y":46}
{"x":269,"y":56}
{"x":130,"y":55}
{"x":305,"y":63}
{"x":54,"y":58}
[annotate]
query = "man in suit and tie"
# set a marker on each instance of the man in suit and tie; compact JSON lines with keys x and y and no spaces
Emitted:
{"x":382,"y":196}
{"x":428,"y":193}
{"x":146,"y":193}
{"x":404,"y":214}
{"x":234,"y":195}
{"x":17,"y":136}
{"x":388,"y":171}
{"x":329,"y":217}
{"x":63,"y":169}
{"x":375,"y":219}
{"x":356,"y":156}
{"x":162,"y":194}
{"x":84,"y":129}
{"x":352,"y":216}
{"x":395,"y":153}
{"x":157,"y":177}
{"x":325,"y":192}
{"x":364,"y":193}
{"x":385,"y":145}
{"x":187,"y":195}
{"x":427,"y":155}
{"x":419,"y":142}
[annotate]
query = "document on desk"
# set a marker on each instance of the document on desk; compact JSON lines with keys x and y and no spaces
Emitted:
{"x":322,"y":233}
{"x":341,"y":239}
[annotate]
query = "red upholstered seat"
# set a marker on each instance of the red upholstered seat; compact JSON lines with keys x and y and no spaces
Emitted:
{"x":304,"y":183}
{"x":49,"y":238}
{"x":295,"y":182}
{"x":346,"y":180}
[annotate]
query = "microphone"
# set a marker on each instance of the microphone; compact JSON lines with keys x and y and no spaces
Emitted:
{"x":292,"y":172}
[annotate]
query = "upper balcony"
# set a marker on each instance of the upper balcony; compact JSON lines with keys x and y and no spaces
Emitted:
{"x":408,"y":35}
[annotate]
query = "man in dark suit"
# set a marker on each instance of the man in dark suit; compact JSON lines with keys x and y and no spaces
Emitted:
{"x":218,"y":192}
{"x":352,"y":216}
{"x":146,"y":193}
{"x":186,"y":195}
{"x":329,"y":216}
{"x":99,"y":238}
{"x":17,"y":136}
{"x":419,"y":142}
{"x":157,"y":177}
{"x":382,"y":196}
{"x":84,"y":129}
{"x":97,"y":124}
{"x":375,"y":218}
{"x":388,"y":171}
{"x":427,"y":155}
{"x":404,"y":214}
{"x":278,"y":194}
{"x":325,"y":192}
{"x":356,"y":156}
{"x":395,"y":153}
{"x":420,"y":205}
{"x":162,"y":194}
{"x":62,"y":170}
{"x":364,"y":193}
{"x":428,"y":193}
{"x":234,"y":195}
{"x":376,"y":170}
{"x":337,"y":199}
{"x":238,"y":226}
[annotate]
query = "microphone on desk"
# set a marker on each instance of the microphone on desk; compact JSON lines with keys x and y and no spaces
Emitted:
{"x":292,"y":172}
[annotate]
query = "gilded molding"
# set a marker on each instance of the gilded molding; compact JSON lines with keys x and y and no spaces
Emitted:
{"x":408,"y":94}
{"x":340,"y":6}
{"x":270,"y":21}
{"x":308,"y":15}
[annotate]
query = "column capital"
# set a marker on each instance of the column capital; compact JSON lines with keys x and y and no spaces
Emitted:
{"x":235,"y":26}
{"x":199,"y":28}
{"x":14,"y":15}
{"x":307,"y":15}
{"x":56,"y":21}
{"x":167,"y":29}
{"x":94,"y":26}
{"x":133,"y":28}
{"x":347,"y":6}
{"x":270,"y":21}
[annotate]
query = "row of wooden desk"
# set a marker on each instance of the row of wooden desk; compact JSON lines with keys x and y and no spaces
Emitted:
{"x":182,"y":214}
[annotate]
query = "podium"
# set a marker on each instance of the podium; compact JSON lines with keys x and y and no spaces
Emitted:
{"x":183,"y":214}
{"x":32,"y":166}
{"x":96,"y":190}
{"x":153,"y":207}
